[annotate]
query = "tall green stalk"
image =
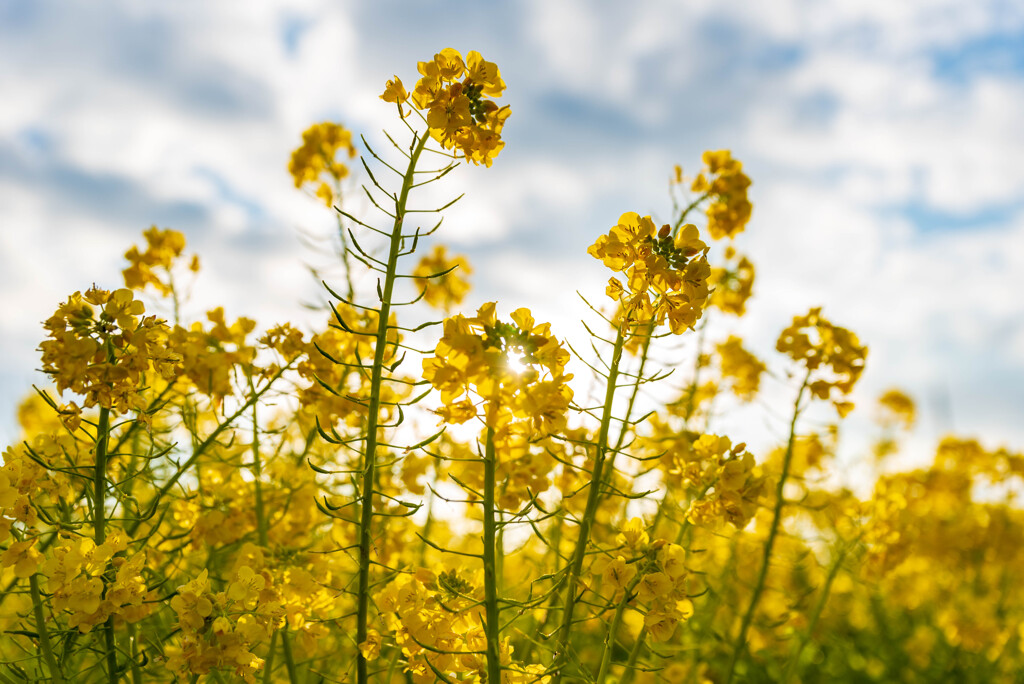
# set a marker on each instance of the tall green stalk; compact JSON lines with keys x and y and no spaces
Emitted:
{"x":593,"y":497}
{"x":44,"y":636}
{"x":634,"y":655}
{"x":257,"y":474}
{"x":100,"y":531}
{"x":819,"y":608}
{"x":491,"y":613}
{"x":769,"y":544}
{"x":613,"y":629}
{"x":373,"y":417}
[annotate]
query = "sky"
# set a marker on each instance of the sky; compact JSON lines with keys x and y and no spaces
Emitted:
{"x":884,"y":140}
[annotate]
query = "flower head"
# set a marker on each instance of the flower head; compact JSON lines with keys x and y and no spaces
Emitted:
{"x":456,"y":97}
{"x":316,"y":163}
{"x":666,"y":278}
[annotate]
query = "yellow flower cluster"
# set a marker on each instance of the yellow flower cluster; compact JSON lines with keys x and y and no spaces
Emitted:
{"x":725,"y":183}
{"x":74,"y":575}
{"x":221,"y":629}
{"x":732,"y":485}
{"x":104,"y":352}
{"x":456,"y":96}
{"x":831,"y":354}
{"x":212,"y":354}
{"x":512,"y":376}
{"x":330,"y":362}
{"x":163,"y":247}
{"x":945,"y":556}
{"x":316,"y":162}
{"x":655,"y":265}
{"x":447,"y":290}
{"x":26,"y":483}
{"x":898,"y":408}
{"x":733,"y":284}
{"x":741,"y":367}
{"x":517,"y":369}
{"x":437,"y":621}
{"x":650,"y":576}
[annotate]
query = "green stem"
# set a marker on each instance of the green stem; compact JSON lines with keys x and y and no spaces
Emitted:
{"x":561,"y":655}
{"x":100,"y":478}
{"x":257,"y":472}
{"x":648,"y":332}
{"x":490,"y":574}
{"x":100,"y":531}
{"x":690,"y":207}
{"x":634,"y":655}
{"x":133,"y":644}
{"x":762,"y":576}
{"x":268,"y":664}
{"x":373,"y":417}
{"x":44,"y":635}
{"x":613,"y":630}
{"x":428,"y":526}
{"x":289,"y":660}
{"x":819,"y":607}
{"x":554,"y":553}
{"x":204,"y":445}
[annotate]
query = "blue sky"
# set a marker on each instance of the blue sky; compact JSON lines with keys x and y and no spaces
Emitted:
{"x":884,"y":141}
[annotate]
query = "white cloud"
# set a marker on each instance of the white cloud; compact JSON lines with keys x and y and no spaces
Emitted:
{"x":191,"y":110}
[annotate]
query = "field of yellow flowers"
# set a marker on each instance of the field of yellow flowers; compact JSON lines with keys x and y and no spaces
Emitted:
{"x":202,"y":501}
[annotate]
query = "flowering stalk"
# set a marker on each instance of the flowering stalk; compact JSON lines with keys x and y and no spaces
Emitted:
{"x":490,"y":573}
{"x":257,"y":474}
{"x":769,"y":544}
{"x":133,"y":641}
{"x":44,"y":635}
{"x":99,"y":526}
{"x":647,"y":331}
{"x":613,"y":628}
{"x":261,"y":531}
{"x":634,"y":655}
{"x":204,"y":445}
{"x":593,"y":496}
{"x":819,"y":608}
{"x":373,"y":417}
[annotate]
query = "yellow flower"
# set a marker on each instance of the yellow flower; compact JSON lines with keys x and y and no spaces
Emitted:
{"x":618,"y":574}
{"x":449,"y":289}
{"x":665,"y":282}
{"x":246,"y":586}
{"x":741,"y":367}
{"x":23,"y":557}
{"x":726,"y":185}
{"x":394,"y":91}
{"x":733,"y":284}
{"x":460,"y":114}
{"x":371,"y":647}
{"x":153,"y":266}
{"x":832,"y":355}
{"x":632,"y":535}
{"x":654,"y":586}
{"x":316,"y":162}
{"x":898,"y":407}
